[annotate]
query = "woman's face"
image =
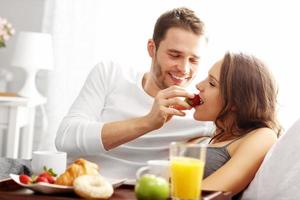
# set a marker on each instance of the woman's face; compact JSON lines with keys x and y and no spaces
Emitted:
{"x":210,"y":93}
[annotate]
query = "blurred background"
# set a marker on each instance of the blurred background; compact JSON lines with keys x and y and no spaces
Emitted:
{"x":85,"y":32}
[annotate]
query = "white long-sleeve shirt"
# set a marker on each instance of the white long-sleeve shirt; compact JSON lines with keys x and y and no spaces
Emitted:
{"x":112,"y":93}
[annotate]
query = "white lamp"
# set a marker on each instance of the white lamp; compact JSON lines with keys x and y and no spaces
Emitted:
{"x":33,"y":51}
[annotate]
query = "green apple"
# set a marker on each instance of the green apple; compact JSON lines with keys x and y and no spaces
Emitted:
{"x":150,"y":187}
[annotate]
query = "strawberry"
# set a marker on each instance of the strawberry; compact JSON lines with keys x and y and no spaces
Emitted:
{"x":194,"y":101}
{"x":50,"y":171}
{"x":48,"y":176}
{"x":51,"y":179}
{"x":41,"y":179}
{"x":25,"y":179}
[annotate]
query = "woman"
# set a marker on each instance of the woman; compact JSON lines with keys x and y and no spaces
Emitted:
{"x":239,"y":95}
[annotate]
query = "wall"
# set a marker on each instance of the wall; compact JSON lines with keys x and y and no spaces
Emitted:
{"x":24,"y":16}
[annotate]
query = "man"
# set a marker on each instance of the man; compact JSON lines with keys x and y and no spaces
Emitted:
{"x":123,"y":118}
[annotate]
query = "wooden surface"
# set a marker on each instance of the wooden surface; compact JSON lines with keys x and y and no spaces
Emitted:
{"x":9,"y":94}
{"x":9,"y":190}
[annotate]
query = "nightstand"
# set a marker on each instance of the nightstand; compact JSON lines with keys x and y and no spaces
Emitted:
{"x":17,"y":116}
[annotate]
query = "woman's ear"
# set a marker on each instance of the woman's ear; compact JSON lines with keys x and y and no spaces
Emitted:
{"x":233,"y":109}
{"x":151,"y":48}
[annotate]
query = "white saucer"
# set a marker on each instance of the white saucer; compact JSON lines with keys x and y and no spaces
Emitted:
{"x":129,"y":182}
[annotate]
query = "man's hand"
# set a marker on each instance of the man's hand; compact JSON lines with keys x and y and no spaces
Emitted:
{"x":168,"y":103}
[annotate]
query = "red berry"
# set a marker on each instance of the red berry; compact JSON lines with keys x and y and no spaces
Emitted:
{"x":25,"y":179}
{"x":48,"y":176}
{"x":51,"y":179}
{"x":194,"y":101}
{"x":42,"y":179}
{"x":45,"y":174}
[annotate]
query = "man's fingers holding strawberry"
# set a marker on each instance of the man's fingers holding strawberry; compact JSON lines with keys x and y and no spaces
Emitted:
{"x":174,"y":91}
{"x":179,"y":104}
{"x":168,"y":102}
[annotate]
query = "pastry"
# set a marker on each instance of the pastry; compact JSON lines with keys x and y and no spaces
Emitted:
{"x":79,"y":168}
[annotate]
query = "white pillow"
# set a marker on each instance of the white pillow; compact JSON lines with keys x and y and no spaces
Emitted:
{"x":279,"y":175}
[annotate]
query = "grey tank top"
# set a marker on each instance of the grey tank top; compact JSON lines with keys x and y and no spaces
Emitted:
{"x":216,"y":157}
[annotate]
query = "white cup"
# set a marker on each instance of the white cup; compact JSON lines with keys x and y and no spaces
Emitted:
{"x":51,"y":159}
{"x":155,"y":167}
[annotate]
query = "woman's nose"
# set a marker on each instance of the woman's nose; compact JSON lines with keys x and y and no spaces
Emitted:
{"x":200,"y":87}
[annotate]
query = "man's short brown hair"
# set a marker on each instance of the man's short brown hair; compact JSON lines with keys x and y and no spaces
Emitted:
{"x":179,"y":18}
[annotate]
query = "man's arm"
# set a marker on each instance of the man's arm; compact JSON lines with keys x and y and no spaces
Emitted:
{"x":117,"y":133}
{"x":120,"y":132}
{"x":83,"y":132}
{"x":78,"y":132}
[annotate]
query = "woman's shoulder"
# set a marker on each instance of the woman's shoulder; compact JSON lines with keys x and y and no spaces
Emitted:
{"x":262,"y":134}
{"x":260,"y":139}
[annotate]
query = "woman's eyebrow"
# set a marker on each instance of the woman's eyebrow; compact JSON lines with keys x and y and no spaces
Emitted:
{"x":212,"y":77}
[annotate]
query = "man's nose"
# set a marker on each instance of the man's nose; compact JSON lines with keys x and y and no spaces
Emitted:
{"x":184,"y":66}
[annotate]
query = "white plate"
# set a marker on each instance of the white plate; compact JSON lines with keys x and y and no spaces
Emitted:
{"x":129,"y":182}
{"x":48,"y":188}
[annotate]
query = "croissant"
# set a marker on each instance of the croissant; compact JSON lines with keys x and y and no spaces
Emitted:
{"x":78,"y":168}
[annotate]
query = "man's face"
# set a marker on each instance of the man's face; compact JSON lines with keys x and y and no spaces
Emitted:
{"x":176,"y":60}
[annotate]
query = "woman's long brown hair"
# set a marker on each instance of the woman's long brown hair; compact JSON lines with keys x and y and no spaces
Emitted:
{"x":248,"y":93}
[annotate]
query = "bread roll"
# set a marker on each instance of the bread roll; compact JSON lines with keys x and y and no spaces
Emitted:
{"x":78,"y":168}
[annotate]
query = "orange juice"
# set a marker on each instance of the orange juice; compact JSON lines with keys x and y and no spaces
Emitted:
{"x":186,"y":177}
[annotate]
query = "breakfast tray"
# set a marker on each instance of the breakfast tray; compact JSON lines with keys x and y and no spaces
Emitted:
{"x":9,"y":190}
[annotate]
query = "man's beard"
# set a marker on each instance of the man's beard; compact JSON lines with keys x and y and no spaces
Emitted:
{"x":158,"y":75}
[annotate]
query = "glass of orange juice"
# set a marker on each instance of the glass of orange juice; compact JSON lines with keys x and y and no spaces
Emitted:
{"x":186,"y":168}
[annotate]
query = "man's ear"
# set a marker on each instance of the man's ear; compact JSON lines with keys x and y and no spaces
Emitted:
{"x":151,"y":48}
